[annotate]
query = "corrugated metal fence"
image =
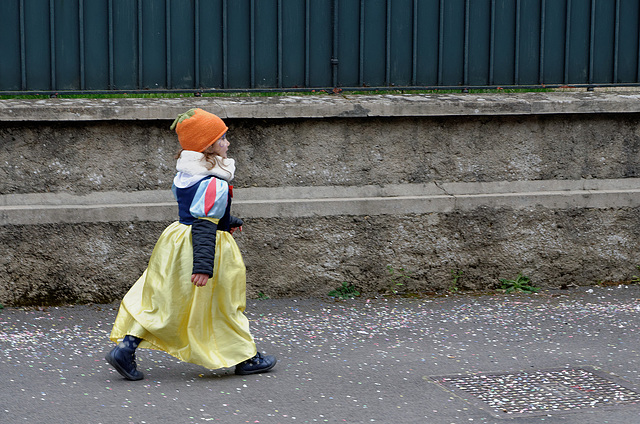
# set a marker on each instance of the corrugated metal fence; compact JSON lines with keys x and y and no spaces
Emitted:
{"x":128,"y":45}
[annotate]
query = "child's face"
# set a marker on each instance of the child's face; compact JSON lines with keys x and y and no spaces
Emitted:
{"x":220,"y":147}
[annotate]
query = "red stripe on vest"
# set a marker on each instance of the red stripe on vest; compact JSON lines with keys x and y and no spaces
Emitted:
{"x":210,"y":196}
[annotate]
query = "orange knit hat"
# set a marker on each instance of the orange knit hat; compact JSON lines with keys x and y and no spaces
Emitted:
{"x":198,"y":129}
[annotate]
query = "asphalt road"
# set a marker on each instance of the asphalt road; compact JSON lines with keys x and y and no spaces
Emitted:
{"x":357,"y":361}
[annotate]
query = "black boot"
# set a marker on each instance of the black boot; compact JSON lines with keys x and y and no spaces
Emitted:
{"x":123,"y":358}
{"x":257,"y":364}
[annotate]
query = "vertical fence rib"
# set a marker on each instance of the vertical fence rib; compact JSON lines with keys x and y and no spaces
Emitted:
{"x":140,"y":56}
{"x":361,"y":46}
{"x":225,"y":45}
{"x":592,"y":37}
{"x":616,"y":42}
{"x":52,"y":43}
{"x":334,"y":44}
{"x":567,"y":44}
{"x":279,"y":27}
{"x":414,"y":52}
{"x":307,"y":44}
{"x":516,"y":53}
{"x":465,"y":59}
{"x":81,"y":43}
{"x":111,"y":65}
{"x":168,"y":42}
{"x":387,"y":47}
{"x":440,"y":41}
{"x":252,"y":43}
{"x":638,"y":65}
{"x":492,"y":42}
{"x":543,"y":14}
{"x":196,"y":44}
{"x":23,"y":48}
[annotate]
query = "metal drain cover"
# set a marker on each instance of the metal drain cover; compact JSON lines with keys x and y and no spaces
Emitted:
{"x":541,"y":392}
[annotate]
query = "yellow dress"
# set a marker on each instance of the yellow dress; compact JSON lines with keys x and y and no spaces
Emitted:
{"x":202,"y":325}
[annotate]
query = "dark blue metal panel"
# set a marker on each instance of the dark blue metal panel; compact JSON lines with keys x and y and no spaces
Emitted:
{"x":349,"y":43}
{"x":125,"y":42}
{"x":11,"y":46}
{"x":627,"y":58}
{"x":452,"y":33}
{"x":320,"y":43}
{"x":400,"y":44}
{"x":238,"y":31}
{"x":480,"y":42}
{"x":96,"y":44}
{"x":604,"y":37}
{"x":529,"y":58}
{"x":182,"y":44}
{"x":67,"y":45}
{"x":374,"y":47}
{"x":293,"y":39}
{"x":211,"y":44}
{"x":554,"y":44}
{"x":265,"y":37}
{"x":153,"y":44}
{"x":38,"y":45}
{"x":427,"y":37}
{"x":505,"y":42}
{"x":577,"y":58}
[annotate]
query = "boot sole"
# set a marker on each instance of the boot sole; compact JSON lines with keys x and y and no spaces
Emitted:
{"x":112,"y":361}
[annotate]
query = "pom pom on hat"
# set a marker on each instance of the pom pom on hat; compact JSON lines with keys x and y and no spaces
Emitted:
{"x":198,"y":129}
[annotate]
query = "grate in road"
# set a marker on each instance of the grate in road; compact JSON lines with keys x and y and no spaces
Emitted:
{"x":540,"y":392}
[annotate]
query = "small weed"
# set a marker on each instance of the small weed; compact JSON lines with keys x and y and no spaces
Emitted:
{"x":521,"y":283}
{"x":346,"y":291}
{"x":398,"y":278}
{"x":607,"y":283}
{"x":456,"y":275}
{"x":635,"y":279}
{"x":262,"y":296}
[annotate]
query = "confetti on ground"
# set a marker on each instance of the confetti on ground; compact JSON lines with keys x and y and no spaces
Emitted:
{"x":363,"y":360}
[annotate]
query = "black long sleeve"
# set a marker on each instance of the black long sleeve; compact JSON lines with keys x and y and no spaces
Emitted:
{"x":203,"y":237}
{"x":235,"y":222}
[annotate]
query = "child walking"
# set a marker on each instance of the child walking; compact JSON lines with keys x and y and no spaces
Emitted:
{"x":190,"y":300}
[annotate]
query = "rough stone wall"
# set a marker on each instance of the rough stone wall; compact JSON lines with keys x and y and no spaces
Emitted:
{"x":97,"y":262}
{"x":84,"y":157}
{"x":94,"y":262}
{"x":555,"y":248}
{"x":73,"y":263}
{"x":124,"y":156}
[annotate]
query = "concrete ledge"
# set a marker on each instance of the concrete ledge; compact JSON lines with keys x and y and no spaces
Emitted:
{"x":335,"y":106}
{"x":296,"y":202}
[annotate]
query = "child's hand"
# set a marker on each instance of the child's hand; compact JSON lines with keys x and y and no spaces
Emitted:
{"x":231,"y":230}
{"x":199,"y":280}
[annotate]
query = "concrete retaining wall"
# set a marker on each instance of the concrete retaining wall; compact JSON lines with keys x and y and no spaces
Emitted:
{"x":332,"y":189}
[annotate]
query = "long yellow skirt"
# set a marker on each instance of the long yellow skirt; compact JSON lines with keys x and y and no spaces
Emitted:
{"x":202,"y":325}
